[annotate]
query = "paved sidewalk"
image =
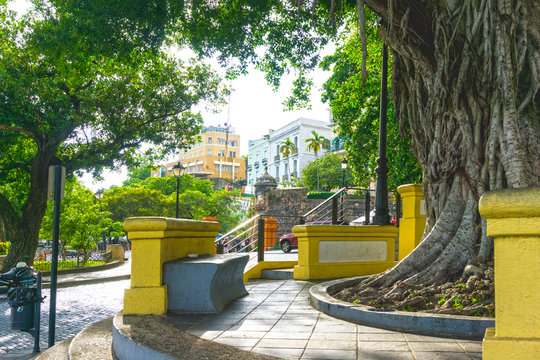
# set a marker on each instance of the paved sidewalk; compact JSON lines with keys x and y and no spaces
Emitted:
{"x":276,"y":319}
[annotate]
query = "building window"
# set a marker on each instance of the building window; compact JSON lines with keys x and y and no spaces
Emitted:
{"x":277,"y":173}
{"x":277,"y":149}
{"x":209,"y":140}
{"x":295,"y":165}
{"x":209,"y":151}
{"x":162,"y":172}
{"x":296,"y":143}
{"x":217,"y":168}
{"x":232,"y":154}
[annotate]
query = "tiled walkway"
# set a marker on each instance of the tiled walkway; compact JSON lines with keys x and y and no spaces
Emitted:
{"x":276,"y":319}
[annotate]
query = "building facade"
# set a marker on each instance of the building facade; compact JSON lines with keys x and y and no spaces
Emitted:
{"x":216,"y":155}
{"x":264,"y":152}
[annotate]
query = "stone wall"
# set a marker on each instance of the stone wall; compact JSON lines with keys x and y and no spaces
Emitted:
{"x":287,"y":205}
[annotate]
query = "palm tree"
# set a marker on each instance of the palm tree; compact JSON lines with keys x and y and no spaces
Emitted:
{"x":286,"y":148}
{"x":316,"y":144}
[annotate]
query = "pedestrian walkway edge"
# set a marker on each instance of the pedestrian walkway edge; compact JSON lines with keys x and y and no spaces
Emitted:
{"x":462,"y":327}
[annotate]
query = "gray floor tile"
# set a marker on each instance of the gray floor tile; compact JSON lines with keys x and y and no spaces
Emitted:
{"x":291,"y":328}
{"x":329,"y":354}
{"x":419,"y":346}
{"x":471,"y":346}
{"x":425,"y":338}
{"x":244,"y":334}
{"x":333,"y":336}
{"x":374,"y":330}
{"x":251,"y":327}
{"x":280,"y":353}
{"x":385,"y":355}
{"x":326,"y":327}
{"x":444,"y":355}
{"x":297,"y":321}
{"x":236,"y":341}
{"x":369,"y":346}
{"x":283,"y":343}
{"x":208,"y":335}
{"x":380,"y":337}
{"x":277,"y":334}
{"x":332,"y":344}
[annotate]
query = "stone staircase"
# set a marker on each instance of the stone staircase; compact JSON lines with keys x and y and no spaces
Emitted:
{"x":277,"y":274}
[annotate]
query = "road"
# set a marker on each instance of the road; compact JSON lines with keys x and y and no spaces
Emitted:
{"x":76,"y":308}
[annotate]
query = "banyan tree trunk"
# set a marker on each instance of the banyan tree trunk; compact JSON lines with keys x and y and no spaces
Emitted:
{"x":466,"y":76}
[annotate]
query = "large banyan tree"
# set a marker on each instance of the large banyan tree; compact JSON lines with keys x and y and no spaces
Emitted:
{"x":466,"y":76}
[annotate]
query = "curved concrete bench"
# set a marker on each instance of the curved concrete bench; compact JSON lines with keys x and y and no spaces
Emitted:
{"x":204,"y":284}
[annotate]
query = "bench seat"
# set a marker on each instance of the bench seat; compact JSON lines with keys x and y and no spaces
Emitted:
{"x":204,"y":284}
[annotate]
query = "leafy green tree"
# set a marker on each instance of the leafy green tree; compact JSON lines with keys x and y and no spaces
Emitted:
{"x":287,"y":148}
{"x":316,"y":144}
{"x":355,"y":109}
{"x":129,"y":201}
{"x":91,"y":104}
{"x":81,"y":221}
{"x":331,"y":175}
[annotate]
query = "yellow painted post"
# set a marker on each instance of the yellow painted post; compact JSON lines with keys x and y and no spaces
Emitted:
{"x":154,"y":241}
{"x":326,"y":251}
{"x":117,"y":251}
{"x":413,"y":222}
{"x":513,"y":220}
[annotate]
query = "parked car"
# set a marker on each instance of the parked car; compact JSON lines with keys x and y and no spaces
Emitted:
{"x":288,"y":241}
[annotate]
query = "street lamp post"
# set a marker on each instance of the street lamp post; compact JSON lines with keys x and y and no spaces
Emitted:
{"x":382,"y":216}
{"x":343,"y":168}
{"x":178,"y":171}
{"x":99,"y":196}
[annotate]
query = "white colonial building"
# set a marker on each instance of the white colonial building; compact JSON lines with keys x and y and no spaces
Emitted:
{"x":264,"y":152}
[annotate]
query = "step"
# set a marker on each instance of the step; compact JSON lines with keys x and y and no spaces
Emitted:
{"x":93,"y":343}
{"x":58,"y":352}
{"x":277,"y":274}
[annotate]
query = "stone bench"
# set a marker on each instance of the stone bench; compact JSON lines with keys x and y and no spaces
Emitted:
{"x":204,"y":284}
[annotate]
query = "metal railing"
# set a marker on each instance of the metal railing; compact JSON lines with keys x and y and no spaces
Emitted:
{"x":330,"y":210}
{"x":243,"y":238}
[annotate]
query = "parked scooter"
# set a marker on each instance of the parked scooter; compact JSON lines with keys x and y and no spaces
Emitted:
{"x":20,"y":275}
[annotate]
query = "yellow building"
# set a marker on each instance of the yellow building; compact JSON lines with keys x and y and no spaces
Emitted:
{"x":217,"y":155}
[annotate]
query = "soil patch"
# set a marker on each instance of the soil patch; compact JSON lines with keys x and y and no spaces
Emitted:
{"x":471,"y":295}
{"x":157,"y":332}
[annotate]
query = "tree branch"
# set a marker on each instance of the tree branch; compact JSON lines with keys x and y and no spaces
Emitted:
{"x":19,"y":130}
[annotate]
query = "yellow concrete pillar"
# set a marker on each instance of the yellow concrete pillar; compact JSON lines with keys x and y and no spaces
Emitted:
{"x":326,"y":251}
{"x":154,"y":241}
{"x":513,"y":219}
{"x":413,"y":222}
{"x":117,"y":251}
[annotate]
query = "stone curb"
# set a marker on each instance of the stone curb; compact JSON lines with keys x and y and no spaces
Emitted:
{"x":124,"y":348}
{"x":454,"y":326}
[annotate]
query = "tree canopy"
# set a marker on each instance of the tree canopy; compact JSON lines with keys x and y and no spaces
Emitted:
{"x":330,"y":175}
{"x":91,"y":104}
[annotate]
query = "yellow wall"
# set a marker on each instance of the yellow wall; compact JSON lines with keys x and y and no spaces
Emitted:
{"x":513,"y":219}
{"x":312,"y":237}
{"x":154,"y":241}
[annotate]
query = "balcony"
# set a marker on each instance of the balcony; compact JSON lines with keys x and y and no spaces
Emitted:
{"x":256,"y":164}
{"x":249,"y":167}
{"x":294,"y":174}
{"x":276,"y":158}
{"x":264,"y":161}
{"x":285,"y":177}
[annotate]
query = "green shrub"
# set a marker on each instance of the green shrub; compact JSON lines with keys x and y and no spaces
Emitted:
{"x":319,"y":194}
{"x":4,"y":247}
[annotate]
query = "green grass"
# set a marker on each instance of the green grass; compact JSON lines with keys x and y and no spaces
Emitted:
{"x":65,"y":264}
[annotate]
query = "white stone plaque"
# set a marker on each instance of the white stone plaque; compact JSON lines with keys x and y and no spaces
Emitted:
{"x":352,"y":251}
